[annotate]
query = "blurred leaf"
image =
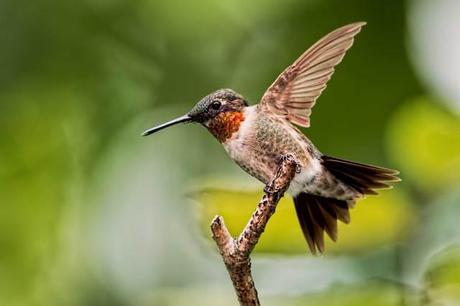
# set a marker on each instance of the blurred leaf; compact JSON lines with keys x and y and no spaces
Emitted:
{"x":37,"y":169}
{"x":370,"y":293}
{"x":425,"y":142}
{"x":442,"y":278}
{"x":436,"y":229}
{"x":177,"y":15}
{"x":376,"y":221}
{"x":375,"y":293}
{"x":445,"y":268}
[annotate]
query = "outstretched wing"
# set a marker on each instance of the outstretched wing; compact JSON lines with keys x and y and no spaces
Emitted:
{"x":295,"y":91}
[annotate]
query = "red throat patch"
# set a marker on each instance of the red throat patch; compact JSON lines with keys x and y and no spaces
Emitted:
{"x":225,"y":124}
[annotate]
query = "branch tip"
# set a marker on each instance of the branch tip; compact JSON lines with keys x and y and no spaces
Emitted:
{"x":235,"y":253}
{"x":217,"y":221}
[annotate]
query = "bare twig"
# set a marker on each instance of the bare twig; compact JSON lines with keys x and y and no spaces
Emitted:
{"x":235,"y":252}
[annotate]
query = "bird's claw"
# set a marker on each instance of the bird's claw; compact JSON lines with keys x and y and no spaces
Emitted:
{"x":269,"y":189}
{"x":286,"y":157}
{"x":298,"y":168}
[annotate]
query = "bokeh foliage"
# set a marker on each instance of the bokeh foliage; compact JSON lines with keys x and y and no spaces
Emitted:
{"x":91,"y":214}
{"x":371,"y":225}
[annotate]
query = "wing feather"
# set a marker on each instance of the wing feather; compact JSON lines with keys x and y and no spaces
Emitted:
{"x":295,"y":91}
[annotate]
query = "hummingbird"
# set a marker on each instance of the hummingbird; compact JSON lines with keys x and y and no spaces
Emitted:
{"x":257,"y":136}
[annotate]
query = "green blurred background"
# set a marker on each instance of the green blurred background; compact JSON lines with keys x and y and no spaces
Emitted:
{"x":93,"y":214}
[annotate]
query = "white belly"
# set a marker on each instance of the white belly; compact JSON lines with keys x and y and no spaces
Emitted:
{"x":300,"y":181}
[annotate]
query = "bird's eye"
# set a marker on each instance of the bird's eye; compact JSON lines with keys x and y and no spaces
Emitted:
{"x":216,"y":105}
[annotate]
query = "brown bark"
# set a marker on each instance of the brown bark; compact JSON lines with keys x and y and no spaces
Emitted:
{"x":235,"y":252}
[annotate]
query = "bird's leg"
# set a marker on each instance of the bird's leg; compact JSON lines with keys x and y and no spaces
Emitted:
{"x":281,"y":162}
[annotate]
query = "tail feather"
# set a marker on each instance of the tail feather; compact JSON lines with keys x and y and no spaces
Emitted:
{"x":319,"y":214}
{"x":363,"y":178}
{"x":338,"y":209}
{"x":325,"y":221}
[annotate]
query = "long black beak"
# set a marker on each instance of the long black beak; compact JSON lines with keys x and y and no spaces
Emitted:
{"x":183,"y":119}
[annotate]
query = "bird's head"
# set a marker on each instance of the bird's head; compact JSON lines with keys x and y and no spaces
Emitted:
{"x":219,"y":111}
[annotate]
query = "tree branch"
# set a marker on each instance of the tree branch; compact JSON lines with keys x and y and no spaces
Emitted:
{"x":235,"y":252}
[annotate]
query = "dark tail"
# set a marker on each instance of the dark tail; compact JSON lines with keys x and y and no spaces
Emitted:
{"x":317,"y":214}
{"x":363,"y":178}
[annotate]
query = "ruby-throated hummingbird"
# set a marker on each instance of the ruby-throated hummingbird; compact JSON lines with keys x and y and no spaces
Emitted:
{"x":257,"y":136}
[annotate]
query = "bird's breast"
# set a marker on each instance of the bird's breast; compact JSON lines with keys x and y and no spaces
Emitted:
{"x":244,"y":149}
{"x":260,"y":142}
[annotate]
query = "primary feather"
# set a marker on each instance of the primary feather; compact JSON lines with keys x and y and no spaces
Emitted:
{"x":294,"y":92}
